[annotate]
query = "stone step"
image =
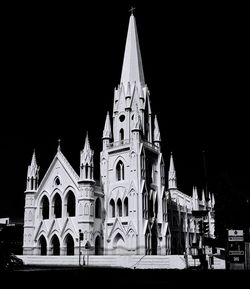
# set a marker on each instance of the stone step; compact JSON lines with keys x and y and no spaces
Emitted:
{"x":126,"y":261}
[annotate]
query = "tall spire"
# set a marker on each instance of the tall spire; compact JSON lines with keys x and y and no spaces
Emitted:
{"x":195,"y":199}
{"x":172,"y":181}
{"x":203,"y":198}
{"x":33,"y":160}
{"x":132,"y":69}
{"x":87,"y":145}
{"x":157,"y":135}
{"x":107,"y":133}
{"x":212,"y":200}
{"x":33,"y":174}
{"x":86,"y":161}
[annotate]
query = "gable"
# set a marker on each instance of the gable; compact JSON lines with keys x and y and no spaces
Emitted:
{"x":60,"y":170}
{"x":70,"y":226}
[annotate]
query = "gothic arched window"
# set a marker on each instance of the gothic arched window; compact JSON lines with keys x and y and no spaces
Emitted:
{"x":45,"y":207}
{"x":86,"y":209}
{"x":120,"y":171}
{"x":57,"y":204}
{"x":112,"y":208}
{"x":71,"y":204}
{"x":32,"y":183}
{"x":164,"y":207}
{"x":126,"y":206}
{"x":119,"y":207}
{"x":121,"y":134}
{"x":87,"y":171}
{"x":98,"y":208}
{"x":91,"y":209}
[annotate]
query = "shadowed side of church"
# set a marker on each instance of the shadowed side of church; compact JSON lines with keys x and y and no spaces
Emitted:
{"x":134,"y":209}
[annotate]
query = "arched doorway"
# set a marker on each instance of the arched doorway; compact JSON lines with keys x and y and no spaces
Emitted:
{"x":43,"y":246}
{"x":55,"y":245}
{"x":147,"y":242}
{"x":119,"y":245}
{"x":154,"y":239}
{"x":98,"y":245}
{"x":70,"y":246}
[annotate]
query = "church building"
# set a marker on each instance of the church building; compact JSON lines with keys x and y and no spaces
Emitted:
{"x":135,"y":208}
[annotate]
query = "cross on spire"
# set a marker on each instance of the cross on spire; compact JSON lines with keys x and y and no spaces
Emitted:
{"x":59,"y":145}
{"x":132,"y":10}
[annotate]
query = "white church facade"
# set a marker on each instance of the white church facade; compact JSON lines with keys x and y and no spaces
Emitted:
{"x":135,"y":208}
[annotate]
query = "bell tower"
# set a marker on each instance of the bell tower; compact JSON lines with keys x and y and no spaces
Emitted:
{"x":29,"y":209}
{"x":86,"y":187}
{"x":131,"y":164}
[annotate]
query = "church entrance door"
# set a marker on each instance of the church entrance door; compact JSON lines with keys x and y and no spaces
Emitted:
{"x":154,"y":239}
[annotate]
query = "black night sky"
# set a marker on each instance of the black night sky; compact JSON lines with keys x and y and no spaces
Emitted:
{"x":60,"y":64}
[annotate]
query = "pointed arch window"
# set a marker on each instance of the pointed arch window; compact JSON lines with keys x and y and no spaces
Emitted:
{"x":143,"y":169}
{"x":112,"y":208}
{"x":91,"y":209}
{"x":120,"y":171}
{"x":71,"y":204}
{"x":151,"y":206}
{"x":119,"y":207}
{"x":121,"y":134}
{"x":86,"y":209}
{"x":45,"y":207}
{"x":86,"y":171}
{"x":164,"y":207}
{"x":98,"y":208}
{"x":57,"y":205}
{"x":126,"y":206}
{"x":162,"y":174}
{"x":145,"y":204}
{"x":32,"y":183}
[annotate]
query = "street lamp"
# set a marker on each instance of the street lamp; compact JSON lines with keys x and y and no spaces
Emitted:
{"x":80,"y":239}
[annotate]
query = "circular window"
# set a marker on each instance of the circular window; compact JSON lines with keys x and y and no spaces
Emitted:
{"x":122,"y":118}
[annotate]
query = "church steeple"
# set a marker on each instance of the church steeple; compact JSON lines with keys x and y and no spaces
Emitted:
{"x":32,"y":174}
{"x":132,"y":70}
{"x":87,"y":162}
{"x":132,"y":92}
{"x":172,"y":182}
{"x":157,"y":135}
{"x":107,"y":133}
{"x":195,"y":199}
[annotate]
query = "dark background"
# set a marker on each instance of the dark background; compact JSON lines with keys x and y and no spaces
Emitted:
{"x":60,"y":64}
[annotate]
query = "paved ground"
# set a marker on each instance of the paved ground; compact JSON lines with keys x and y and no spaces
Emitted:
{"x":71,"y":277}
